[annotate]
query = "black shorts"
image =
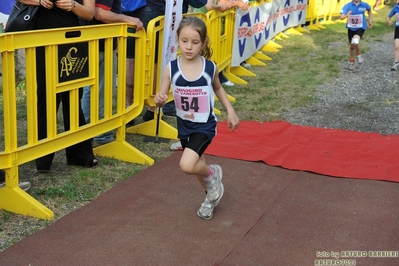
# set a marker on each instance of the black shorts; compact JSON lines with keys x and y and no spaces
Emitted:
{"x":396,"y":36}
{"x":352,"y":33}
{"x":197,"y":142}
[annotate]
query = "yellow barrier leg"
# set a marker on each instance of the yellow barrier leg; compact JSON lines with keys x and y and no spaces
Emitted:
{"x":283,"y":35}
{"x":255,"y":62}
{"x":148,"y":129}
{"x":261,"y":56}
{"x":293,"y":31}
{"x":231,"y":99}
{"x":235,"y":79}
{"x":18,"y":201}
{"x":122,"y":150}
{"x":301,"y":29}
{"x":217,"y":111}
{"x":242,"y":71}
{"x":271,"y":47}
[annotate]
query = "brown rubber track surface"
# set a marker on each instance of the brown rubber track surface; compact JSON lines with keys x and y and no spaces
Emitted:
{"x":268,"y":216}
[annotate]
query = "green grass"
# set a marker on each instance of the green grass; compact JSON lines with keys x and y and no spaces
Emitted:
{"x":288,"y":81}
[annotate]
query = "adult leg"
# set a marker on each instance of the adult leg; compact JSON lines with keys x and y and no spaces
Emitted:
{"x":396,"y":52}
{"x":81,"y":153}
{"x":42,"y":163}
{"x":107,"y":136}
{"x":129,"y":81}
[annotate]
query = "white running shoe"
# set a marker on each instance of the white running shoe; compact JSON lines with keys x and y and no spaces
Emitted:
{"x":214,"y":184}
{"x":228,"y":83}
{"x":245,"y":65}
{"x":395,"y":66}
{"x":351,"y":66}
{"x":205,"y":211}
{"x":359,"y":59}
{"x":175,"y":146}
{"x":25,"y":186}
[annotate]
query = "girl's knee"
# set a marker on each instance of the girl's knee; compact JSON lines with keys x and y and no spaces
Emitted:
{"x":186,"y":167}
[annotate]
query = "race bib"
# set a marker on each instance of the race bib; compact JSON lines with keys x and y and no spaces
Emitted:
{"x":355,"y":21}
{"x":397,"y":19}
{"x":192,"y":104}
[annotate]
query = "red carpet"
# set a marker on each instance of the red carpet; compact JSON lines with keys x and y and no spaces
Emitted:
{"x":332,"y":152}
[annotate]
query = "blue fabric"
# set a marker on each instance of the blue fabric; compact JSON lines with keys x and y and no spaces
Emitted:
{"x":394,"y":11}
{"x":357,"y":10}
{"x":107,"y":136}
{"x":131,"y":5}
{"x":6,"y":6}
{"x":193,"y":3}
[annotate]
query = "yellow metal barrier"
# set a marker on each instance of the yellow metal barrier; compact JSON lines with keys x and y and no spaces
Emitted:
{"x":152,"y":82}
{"x":12,"y":198}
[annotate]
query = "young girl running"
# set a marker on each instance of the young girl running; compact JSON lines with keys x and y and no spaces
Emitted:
{"x":194,"y":82}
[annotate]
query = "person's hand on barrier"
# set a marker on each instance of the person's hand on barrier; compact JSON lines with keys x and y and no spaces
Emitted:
{"x":136,"y":21}
{"x":160,"y":99}
{"x":224,"y":6}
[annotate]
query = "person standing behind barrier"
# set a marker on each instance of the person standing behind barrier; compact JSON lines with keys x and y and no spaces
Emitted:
{"x":395,"y":12}
{"x":151,"y":10}
{"x":355,"y":11}
{"x":5,"y":10}
{"x":60,"y":14}
{"x":377,"y":4}
{"x":106,"y":11}
{"x":196,"y":120}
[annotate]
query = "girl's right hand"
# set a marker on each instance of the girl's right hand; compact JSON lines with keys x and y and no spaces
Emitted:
{"x":160,"y":99}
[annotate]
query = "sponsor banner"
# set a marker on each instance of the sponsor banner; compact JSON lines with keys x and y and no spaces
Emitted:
{"x":258,"y":25}
{"x":171,"y":24}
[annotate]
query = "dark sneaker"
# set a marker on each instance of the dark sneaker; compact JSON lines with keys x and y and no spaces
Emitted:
{"x":148,"y":116}
{"x":130,"y":123}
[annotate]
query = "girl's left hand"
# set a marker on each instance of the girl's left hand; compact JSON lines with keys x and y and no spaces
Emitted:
{"x":233,"y":122}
